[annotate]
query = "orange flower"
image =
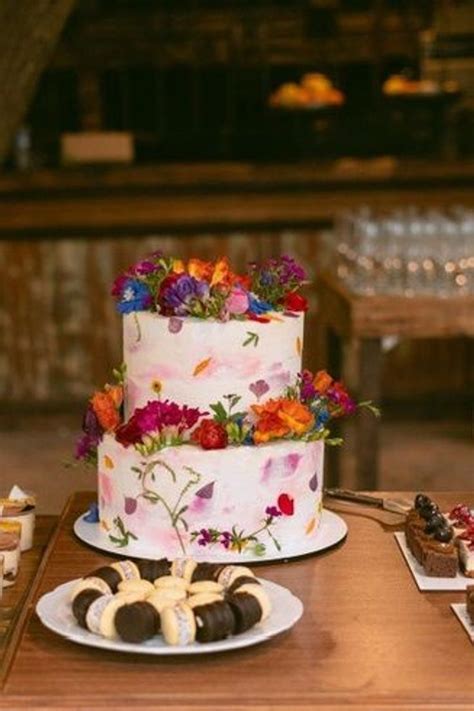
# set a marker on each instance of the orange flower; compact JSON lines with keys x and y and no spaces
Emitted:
{"x":104,"y":407}
{"x":199,"y":269}
{"x":277,"y":418}
{"x":115,"y":392}
{"x":221,"y":272}
{"x":296,"y":416}
{"x":322,"y":381}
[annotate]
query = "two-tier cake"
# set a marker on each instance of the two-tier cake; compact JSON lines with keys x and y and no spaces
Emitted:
{"x":212,"y":440}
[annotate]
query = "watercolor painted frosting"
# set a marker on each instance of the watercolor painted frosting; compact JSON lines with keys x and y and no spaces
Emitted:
{"x":211,"y":504}
{"x":197,"y":362}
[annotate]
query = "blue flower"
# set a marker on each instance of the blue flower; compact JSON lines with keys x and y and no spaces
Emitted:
{"x":321,"y":418}
{"x":92,"y":516}
{"x":258,"y":307}
{"x":134,"y":296}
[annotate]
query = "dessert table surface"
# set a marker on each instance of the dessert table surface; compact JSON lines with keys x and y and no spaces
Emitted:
{"x":368,"y":639}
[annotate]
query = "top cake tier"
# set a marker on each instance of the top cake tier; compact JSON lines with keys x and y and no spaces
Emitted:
{"x":197,"y":362}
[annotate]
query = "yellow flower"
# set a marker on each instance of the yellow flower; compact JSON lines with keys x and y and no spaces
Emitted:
{"x":178,"y":266}
{"x":157,"y":386}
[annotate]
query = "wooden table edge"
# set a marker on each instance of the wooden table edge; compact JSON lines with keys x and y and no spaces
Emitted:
{"x":26,"y":607}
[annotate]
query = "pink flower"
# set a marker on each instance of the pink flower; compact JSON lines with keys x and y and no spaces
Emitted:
{"x":238,"y":301}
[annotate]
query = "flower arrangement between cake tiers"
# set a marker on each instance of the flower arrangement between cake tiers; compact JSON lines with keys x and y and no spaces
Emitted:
{"x":212,"y":435}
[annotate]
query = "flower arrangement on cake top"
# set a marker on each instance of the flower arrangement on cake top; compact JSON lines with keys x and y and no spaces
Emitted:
{"x":210,"y":290}
{"x":302,"y":413}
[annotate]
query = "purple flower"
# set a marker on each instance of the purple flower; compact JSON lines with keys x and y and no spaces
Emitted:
{"x":205,"y":537}
{"x":180,"y":295}
{"x":290,"y":270}
{"x":134,"y":296}
{"x":91,"y":425}
{"x":226,"y":538}
{"x":307,"y":389}
{"x":144,"y":268}
{"x":273,"y":511}
{"x":157,"y":415}
{"x":86,"y":446}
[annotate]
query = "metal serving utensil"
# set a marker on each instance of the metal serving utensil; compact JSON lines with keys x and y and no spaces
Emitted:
{"x":399,"y":506}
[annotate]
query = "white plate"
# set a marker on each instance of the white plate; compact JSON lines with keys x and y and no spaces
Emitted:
{"x":54,"y":611}
{"x":460,"y":610}
{"x":426,"y":582}
{"x":332,"y":529}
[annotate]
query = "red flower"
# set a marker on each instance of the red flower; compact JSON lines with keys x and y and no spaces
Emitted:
{"x":210,"y":435}
{"x":129,"y":433}
{"x":286,"y":504}
{"x":295,"y":302}
{"x":259,"y":319}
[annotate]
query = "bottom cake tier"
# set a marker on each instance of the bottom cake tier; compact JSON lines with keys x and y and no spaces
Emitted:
{"x":186,"y":501}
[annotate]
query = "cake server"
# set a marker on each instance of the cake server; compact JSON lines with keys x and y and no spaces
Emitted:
{"x":400,"y":506}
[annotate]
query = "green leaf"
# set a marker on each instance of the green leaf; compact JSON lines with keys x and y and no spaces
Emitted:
{"x":251,"y":338}
{"x":219,"y":411}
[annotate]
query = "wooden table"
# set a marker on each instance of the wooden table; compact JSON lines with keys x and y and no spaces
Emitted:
{"x":15,"y":598}
{"x":351,"y":328}
{"x":368,"y":640}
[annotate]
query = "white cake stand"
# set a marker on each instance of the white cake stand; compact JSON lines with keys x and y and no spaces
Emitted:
{"x":331,"y":531}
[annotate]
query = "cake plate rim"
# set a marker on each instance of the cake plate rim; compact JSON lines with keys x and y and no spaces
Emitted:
{"x":332,"y":531}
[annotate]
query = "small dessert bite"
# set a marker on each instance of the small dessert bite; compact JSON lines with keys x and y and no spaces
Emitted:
{"x":430,"y":538}
{"x":166,"y":598}
{"x":10,"y":550}
{"x":152,"y":569}
{"x":462,"y":520}
{"x":205,"y":586}
{"x":178,"y":624}
{"x":170,"y":581}
{"x":95,"y":611}
{"x":242,"y":580}
{"x":203,"y":598}
{"x":138,"y":586}
{"x":183,"y":568}
{"x":230,"y":573}
{"x":246,"y":609}
{"x":81,"y":604}
{"x":127,"y":569}
{"x":137,"y":622}
{"x":90,"y":583}
{"x":214,"y":621}
{"x":260,"y":595}
{"x":206,"y":571}
{"x":110,"y":575}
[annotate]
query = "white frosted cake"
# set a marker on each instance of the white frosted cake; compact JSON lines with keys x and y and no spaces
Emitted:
{"x":212,"y":442}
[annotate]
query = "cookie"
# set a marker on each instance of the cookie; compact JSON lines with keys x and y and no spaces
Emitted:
{"x":94,"y":613}
{"x":206,"y":571}
{"x":136,"y":585}
{"x":203,"y":599}
{"x":259,"y":593}
{"x":152,"y":569}
{"x":178,"y":625}
{"x":166,"y":598}
{"x":111,"y":576}
{"x":246,"y":610}
{"x":214,"y":621}
{"x":88,"y":583}
{"x":127,"y":569}
{"x":137,"y":622}
{"x":81,"y":604}
{"x":242,"y":580}
{"x":205,"y":586}
{"x":170,"y":581}
{"x":231,"y":572}
{"x":183,"y":568}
